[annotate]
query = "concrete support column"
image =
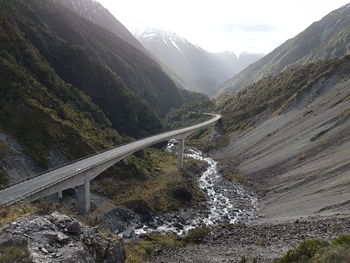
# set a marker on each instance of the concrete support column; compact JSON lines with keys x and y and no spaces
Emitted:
{"x":212,"y":132}
{"x":180,"y":154}
{"x":60,"y":194}
{"x":83,"y":194}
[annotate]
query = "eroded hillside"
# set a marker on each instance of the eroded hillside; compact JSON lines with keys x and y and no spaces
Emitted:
{"x":291,"y":138}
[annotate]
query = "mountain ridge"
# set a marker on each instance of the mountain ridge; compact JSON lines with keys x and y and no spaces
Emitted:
{"x":324,"y":39}
{"x":200,"y":70}
{"x":93,"y":11}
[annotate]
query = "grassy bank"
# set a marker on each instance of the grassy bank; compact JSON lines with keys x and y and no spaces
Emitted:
{"x":150,"y":180}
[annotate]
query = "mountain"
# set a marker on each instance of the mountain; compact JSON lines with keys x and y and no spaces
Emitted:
{"x":238,"y":63}
{"x":69,"y":88}
{"x":200,"y":70}
{"x":97,"y":14}
{"x":286,"y":137}
{"x":129,"y":87}
{"x":41,"y":114}
{"x":327,"y":38}
{"x":290,"y":138}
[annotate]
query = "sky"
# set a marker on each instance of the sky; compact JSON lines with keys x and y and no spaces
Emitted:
{"x":255,"y":26}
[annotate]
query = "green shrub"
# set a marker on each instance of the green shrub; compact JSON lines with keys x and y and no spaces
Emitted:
{"x":304,"y":252}
{"x":197,"y":235}
{"x":332,"y":254}
{"x":320,"y":251}
{"x":3,"y":178}
{"x":343,"y":240}
{"x":11,"y":254}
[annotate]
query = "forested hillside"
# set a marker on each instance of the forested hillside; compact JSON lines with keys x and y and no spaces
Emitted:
{"x":126,"y":84}
{"x":70,"y":88}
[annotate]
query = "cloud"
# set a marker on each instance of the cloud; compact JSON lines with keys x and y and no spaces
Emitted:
{"x":247,"y":28}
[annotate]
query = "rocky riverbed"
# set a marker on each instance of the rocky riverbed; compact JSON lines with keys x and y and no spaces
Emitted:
{"x":258,"y":241}
{"x":226,"y":203}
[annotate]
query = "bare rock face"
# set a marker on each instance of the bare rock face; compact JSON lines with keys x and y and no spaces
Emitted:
{"x":59,"y":238}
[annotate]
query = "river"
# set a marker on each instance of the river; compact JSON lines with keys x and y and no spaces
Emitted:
{"x":226,"y":202}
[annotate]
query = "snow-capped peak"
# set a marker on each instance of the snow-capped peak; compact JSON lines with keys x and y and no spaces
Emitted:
{"x":156,"y":34}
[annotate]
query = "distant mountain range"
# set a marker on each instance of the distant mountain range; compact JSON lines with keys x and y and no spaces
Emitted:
{"x":324,"y":39}
{"x":200,"y":70}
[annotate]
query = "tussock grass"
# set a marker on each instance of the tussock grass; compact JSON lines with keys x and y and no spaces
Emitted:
{"x":12,"y":213}
{"x":151,"y":244}
{"x":320,"y":251}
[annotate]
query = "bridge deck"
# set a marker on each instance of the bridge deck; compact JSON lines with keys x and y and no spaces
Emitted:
{"x":30,"y":187}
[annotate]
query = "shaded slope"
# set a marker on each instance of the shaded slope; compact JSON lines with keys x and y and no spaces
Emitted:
{"x":78,"y":64}
{"x":39,"y":109}
{"x":327,"y":38}
{"x":139,"y":72}
{"x":97,"y":14}
{"x":127,"y":85}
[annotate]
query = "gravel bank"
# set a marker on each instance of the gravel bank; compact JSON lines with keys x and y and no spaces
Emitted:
{"x":262,"y":240}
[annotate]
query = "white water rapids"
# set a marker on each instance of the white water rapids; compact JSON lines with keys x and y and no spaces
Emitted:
{"x":226,"y":202}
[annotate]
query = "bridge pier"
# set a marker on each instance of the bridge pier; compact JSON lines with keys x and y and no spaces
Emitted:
{"x":60,"y":194}
{"x":80,"y":173}
{"x":83,"y":194}
{"x":212,"y":132}
{"x":180,"y":154}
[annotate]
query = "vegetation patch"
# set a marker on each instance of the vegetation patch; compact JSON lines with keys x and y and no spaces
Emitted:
{"x":275,"y":94}
{"x":231,"y":172}
{"x":197,"y":235}
{"x":343,"y":240}
{"x":14,"y":253}
{"x":320,"y":251}
{"x":303,"y":156}
{"x":12,"y":213}
{"x":151,"y":244}
{"x":152,"y":183}
{"x":3,"y":149}
{"x":3,"y":178}
{"x":189,"y":114}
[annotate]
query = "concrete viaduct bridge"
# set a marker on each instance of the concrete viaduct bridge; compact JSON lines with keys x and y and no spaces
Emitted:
{"x":79,"y":174}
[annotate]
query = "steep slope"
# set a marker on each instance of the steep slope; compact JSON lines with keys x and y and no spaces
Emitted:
{"x":291,"y":140}
{"x":97,"y":14}
{"x":238,"y":63}
{"x":39,"y":110}
{"x":200,"y":70}
{"x":327,"y":38}
{"x":126,"y":84}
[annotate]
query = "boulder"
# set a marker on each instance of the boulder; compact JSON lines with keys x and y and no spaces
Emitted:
{"x":59,"y":238}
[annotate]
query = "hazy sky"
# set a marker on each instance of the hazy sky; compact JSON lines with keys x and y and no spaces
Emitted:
{"x":219,"y":25}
